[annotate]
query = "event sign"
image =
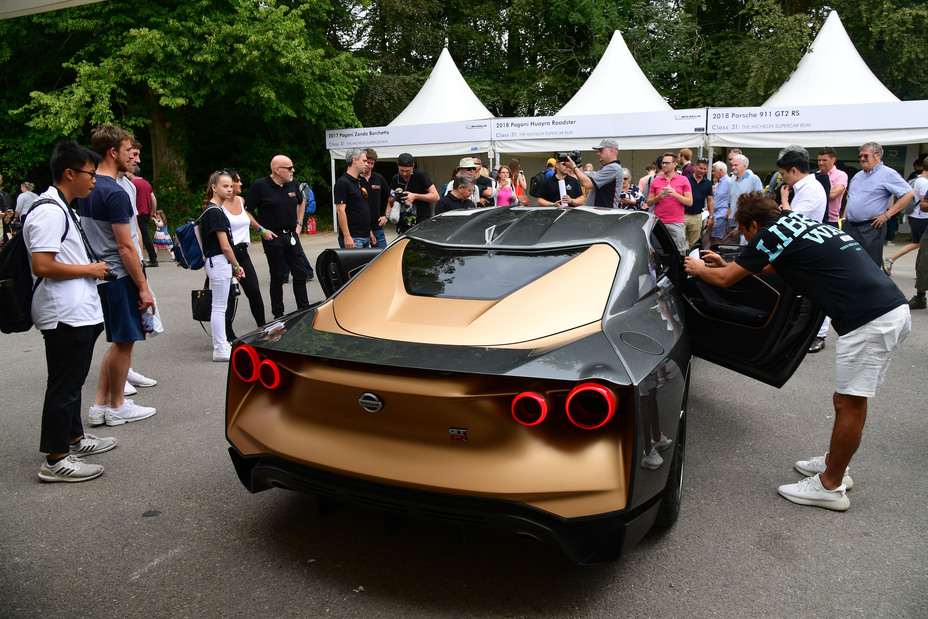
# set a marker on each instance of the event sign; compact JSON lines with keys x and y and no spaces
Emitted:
{"x":848,"y":117}
{"x":439,"y":133}
{"x":669,"y":122}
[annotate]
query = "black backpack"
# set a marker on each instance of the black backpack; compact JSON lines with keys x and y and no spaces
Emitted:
{"x":534,"y":185}
{"x":16,"y":287}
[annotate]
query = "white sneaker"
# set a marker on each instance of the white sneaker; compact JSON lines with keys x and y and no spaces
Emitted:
{"x":90,"y":445}
{"x":97,"y":414}
{"x":127,"y":413}
{"x":223,"y":353}
{"x":70,"y":468}
{"x":663,"y":443}
{"x":810,"y":491}
{"x":816,"y":466}
{"x":136,"y":379}
{"x":652,"y":460}
{"x":129,"y":389}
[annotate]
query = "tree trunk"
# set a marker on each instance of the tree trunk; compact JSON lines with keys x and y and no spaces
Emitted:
{"x":166,"y":143}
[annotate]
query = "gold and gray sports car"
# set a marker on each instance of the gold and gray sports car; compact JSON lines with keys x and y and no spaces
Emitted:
{"x":521,"y":368}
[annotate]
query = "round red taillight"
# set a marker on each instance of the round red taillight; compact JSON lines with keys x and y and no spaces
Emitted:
{"x":245,"y":362}
{"x":529,"y":408}
{"x":269,"y":374}
{"x":590,"y":406}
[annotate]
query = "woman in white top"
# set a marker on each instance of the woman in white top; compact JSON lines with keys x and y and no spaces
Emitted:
{"x":234,"y":208}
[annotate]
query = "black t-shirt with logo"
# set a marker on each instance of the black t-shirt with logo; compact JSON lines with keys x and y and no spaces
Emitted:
{"x":376,"y":191}
{"x":273,"y":205}
{"x":550,"y":189}
{"x":827,"y":266}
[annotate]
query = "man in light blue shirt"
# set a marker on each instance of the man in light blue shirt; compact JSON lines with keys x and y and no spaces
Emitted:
{"x":871,"y":191}
{"x":741,"y":181}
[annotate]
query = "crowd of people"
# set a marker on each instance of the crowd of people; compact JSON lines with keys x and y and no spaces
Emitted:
{"x":810,"y":227}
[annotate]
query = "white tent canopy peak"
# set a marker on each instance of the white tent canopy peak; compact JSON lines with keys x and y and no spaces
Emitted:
{"x":831,"y":72}
{"x":445,"y":97}
{"x":616,"y":85}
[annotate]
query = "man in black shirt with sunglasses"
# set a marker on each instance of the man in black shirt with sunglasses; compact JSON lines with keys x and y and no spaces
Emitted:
{"x":275,"y":205}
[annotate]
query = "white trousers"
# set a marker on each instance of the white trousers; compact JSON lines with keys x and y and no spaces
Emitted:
{"x":219,"y":271}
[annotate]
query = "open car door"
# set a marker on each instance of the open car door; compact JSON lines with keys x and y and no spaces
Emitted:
{"x":334,"y":267}
{"x":759,"y":327}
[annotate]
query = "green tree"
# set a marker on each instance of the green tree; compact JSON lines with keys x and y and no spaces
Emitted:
{"x":194,"y":72}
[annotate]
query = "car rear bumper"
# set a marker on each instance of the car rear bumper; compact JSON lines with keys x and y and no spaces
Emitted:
{"x":588,"y":540}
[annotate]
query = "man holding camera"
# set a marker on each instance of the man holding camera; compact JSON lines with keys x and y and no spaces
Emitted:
{"x":414,"y":188}
{"x":551,"y":194}
{"x":605,"y":186}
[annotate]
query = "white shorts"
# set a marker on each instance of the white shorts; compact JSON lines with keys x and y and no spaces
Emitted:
{"x":862,"y":356}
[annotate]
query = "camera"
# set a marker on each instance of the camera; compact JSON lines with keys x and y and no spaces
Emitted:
{"x":575,"y":155}
{"x":109,"y":277}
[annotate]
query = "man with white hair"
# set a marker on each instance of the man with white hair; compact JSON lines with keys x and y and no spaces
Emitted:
{"x":742,"y":181}
{"x":872,"y":189}
{"x":720,"y":224}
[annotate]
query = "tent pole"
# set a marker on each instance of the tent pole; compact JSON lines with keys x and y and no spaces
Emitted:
{"x":334,"y":214}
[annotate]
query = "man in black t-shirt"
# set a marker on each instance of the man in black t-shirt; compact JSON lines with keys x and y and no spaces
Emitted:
{"x":550,"y":192}
{"x":459,"y":197}
{"x":376,"y":186}
{"x":275,"y":206}
{"x":416,"y":188}
{"x":867,"y":309}
{"x":351,"y":202}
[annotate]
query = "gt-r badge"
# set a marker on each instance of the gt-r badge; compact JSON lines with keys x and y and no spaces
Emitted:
{"x":458,"y":434}
{"x":370,"y":402}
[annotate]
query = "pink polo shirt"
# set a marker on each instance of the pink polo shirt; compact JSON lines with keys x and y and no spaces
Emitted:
{"x":670,"y":210}
{"x":837,"y":177}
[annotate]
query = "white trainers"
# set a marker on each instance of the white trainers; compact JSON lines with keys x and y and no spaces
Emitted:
{"x":70,"y":469}
{"x":129,"y":389}
{"x":652,"y":460}
{"x":816,"y":466}
{"x":663,"y":443}
{"x":223,"y":353}
{"x":136,"y":379}
{"x":810,"y":491}
{"x":97,"y":414}
{"x":127,"y":413}
{"x":91,"y":444}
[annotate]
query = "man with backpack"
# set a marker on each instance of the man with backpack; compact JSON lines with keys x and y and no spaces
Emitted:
{"x":66,"y":309}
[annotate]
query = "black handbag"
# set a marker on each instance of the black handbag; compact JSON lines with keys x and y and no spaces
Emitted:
{"x":201,"y":302}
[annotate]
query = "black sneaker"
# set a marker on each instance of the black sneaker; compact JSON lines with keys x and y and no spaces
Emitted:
{"x":817,"y":344}
{"x":918,"y":302}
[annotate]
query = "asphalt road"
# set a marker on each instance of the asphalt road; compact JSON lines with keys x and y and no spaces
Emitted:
{"x":169,"y":531}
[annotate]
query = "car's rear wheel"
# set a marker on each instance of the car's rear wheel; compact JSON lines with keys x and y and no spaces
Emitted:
{"x":672,"y":494}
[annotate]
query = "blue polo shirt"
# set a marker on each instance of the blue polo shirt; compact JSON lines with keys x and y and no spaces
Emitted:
{"x":870,"y":193}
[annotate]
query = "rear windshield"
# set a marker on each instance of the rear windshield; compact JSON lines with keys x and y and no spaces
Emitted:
{"x":430,"y":271}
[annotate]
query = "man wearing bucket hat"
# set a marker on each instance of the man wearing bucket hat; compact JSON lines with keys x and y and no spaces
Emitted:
{"x":605,"y":185}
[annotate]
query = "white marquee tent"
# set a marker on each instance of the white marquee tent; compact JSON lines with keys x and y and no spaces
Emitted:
{"x":832,"y":98}
{"x":617,"y":100}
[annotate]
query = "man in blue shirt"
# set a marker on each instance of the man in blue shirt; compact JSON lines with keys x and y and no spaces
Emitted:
{"x":869,"y":193}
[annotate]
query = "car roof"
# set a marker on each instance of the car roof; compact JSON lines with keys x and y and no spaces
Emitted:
{"x":519,"y":227}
